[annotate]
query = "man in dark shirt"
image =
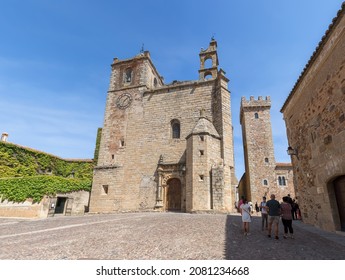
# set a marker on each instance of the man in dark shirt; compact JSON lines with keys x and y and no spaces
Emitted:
{"x":273,"y":209}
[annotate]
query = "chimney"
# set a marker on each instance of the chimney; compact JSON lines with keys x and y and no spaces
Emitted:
{"x":4,"y":137}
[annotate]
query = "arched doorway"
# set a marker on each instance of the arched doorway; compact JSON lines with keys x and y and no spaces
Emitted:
{"x":339,"y":190}
{"x":173,"y":195}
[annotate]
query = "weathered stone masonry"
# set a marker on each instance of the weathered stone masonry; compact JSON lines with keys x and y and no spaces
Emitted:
{"x":314,"y":116}
{"x":263,"y":175}
{"x":157,"y":151}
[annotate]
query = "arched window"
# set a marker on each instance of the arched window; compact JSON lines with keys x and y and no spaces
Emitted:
{"x":175,"y":129}
{"x":207,"y":76}
{"x":208,"y":63}
{"x":265,"y":182}
{"x":281,"y":181}
{"x":128,"y":75}
{"x":256,"y":115}
{"x":266,"y":160}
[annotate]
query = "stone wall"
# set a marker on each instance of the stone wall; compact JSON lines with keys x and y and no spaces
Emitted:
{"x":315,"y":119}
{"x":284,"y":170}
{"x":28,"y":209}
{"x":218,"y":193}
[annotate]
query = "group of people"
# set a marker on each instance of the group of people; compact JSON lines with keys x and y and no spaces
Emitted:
{"x":271,"y":212}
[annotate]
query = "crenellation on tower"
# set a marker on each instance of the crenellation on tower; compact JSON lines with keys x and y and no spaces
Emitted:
{"x":261,"y":172}
{"x":259,"y":102}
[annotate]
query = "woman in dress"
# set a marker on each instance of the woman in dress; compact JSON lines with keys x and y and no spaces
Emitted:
{"x":246,"y":218}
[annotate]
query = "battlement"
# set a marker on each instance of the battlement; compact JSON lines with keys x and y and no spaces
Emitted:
{"x":252,"y":102}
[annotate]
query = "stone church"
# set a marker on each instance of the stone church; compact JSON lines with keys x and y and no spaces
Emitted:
{"x":165,"y":146}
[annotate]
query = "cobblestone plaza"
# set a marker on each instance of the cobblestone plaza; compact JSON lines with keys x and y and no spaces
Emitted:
{"x":160,"y":236}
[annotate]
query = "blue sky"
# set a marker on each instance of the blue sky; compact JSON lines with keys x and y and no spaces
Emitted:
{"x":55,"y":59}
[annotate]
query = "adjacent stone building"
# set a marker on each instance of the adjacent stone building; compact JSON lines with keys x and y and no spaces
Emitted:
{"x":26,"y":170}
{"x":263,"y":176}
{"x":314,"y":114}
{"x":165,"y":146}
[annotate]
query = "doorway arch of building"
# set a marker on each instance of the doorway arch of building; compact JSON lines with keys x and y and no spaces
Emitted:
{"x":336,"y":191}
{"x":339,"y":191}
{"x":173,"y":195}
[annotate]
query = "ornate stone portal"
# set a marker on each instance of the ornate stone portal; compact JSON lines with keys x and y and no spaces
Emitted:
{"x":171,"y":176}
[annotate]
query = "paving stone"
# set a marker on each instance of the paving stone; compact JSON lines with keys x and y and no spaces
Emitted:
{"x":160,"y":236}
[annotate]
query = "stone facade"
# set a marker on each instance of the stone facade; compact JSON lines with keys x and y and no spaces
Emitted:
{"x":314,"y":114}
{"x":73,"y":203}
{"x":157,"y":151}
{"x":263,"y":176}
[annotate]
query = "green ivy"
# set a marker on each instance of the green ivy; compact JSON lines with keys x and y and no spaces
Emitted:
{"x":98,"y":141}
{"x":27,"y":173}
{"x":17,"y":161}
{"x":35,"y":187}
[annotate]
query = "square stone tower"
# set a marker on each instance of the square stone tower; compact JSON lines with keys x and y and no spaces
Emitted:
{"x":257,"y":146}
{"x":263,"y":176}
{"x":149,"y":155}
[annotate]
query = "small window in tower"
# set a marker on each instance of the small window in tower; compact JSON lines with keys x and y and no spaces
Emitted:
{"x":105,"y":189}
{"x":202,"y":138}
{"x":266,"y":160}
{"x":201,"y":177}
{"x":176,"y":129}
{"x":265,"y":182}
{"x":256,"y":115}
{"x":128,"y":75}
{"x":112,"y":156}
{"x":122,"y":143}
{"x":155,"y":83}
{"x":201,"y":152}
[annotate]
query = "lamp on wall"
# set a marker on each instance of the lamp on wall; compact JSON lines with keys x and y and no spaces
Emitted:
{"x":291,"y":151}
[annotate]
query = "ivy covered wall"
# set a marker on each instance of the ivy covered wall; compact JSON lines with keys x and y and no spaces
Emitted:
{"x":98,"y":142}
{"x":27,"y":173}
{"x":35,"y":187}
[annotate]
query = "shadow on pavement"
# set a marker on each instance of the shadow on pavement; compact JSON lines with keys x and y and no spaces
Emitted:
{"x":306,"y":245}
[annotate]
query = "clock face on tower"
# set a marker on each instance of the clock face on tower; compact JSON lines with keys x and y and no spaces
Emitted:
{"x":124,"y":101}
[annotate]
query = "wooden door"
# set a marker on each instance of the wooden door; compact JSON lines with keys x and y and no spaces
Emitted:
{"x":173,"y":199}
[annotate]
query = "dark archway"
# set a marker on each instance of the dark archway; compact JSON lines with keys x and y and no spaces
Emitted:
{"x":174,"y":195}
{"x":60,"y":205}
{"x":339,"y":191}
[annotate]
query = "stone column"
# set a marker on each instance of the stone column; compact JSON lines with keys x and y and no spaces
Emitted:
{"x":159,"y":199}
